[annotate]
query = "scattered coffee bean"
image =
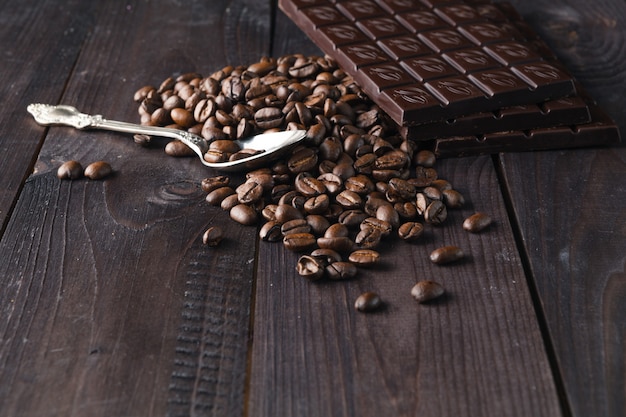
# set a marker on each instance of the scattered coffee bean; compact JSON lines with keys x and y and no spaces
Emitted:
{"x":341,"y":270}
{"x":70,"y":170}
{"x":213,"y":236}
{"x":244,"y":214}
{"x":477,"y":222}
{"x":426,"y":290}
{"x":364,"y":257}
{"x":368,"y":302}
{"x":177,"y":148}
{"x":310,"y":267}
{"x":98,"y":170}
{"x":446,"y":255}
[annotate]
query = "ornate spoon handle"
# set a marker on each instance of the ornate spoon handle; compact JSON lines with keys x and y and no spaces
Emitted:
{"x":46,"y":114}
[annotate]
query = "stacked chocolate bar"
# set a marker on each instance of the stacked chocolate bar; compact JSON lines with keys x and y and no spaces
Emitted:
{"x":463,"y":77}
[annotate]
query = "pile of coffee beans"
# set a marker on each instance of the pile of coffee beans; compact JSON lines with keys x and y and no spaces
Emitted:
{"x":352,"y":183}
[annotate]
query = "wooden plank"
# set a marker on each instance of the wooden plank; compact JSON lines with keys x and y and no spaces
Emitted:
{"x":477,"y":352}
{"x":111,"y":303}
{"x":571,"y":218}
{"x":40,"y":44}
{"x":570,"y":208}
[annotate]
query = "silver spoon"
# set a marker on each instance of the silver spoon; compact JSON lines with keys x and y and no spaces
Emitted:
{"x":271,"y":145}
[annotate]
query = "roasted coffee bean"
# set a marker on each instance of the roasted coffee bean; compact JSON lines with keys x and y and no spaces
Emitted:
{"x":341,"y":270}
{"x":269,"y":212}
{"x":360,"y":184}
{"x":269,"y":117}
{"x":372,"y":204}
{"x":249,"y":192}
{"x":302,"y":160}
{"x":310,"y":267}
{"x":368,"y":238}
{"x":389,"y":215}
{"x":177,"y":148}
{"x":441,"y":184}
{"x":381,"y":225}
{"x":424,"y":176}
{"x":337,"y":230}
{"x":182,"y":117}
{"x":143,"y":140}
{"x":349,"y":200}
{"x":432,"y":193}
{"x":436,"y":213}
{"x":317,"y":205}
{"x":328,"y":256}
{"x":98,"y":170}
{"x":213,"y":236}
{"x":244,"y":214}
{"x":446,"y":254}
{"x":453,"y":198}
{"x":364,"y":257}
{"x":352,"y":218}
{"x":308,"y":186}
{"x":271,"y":231}
{"x":299,"y":242}
{"x":319,"y":224}
{"x":344,"y":170}
{"x":216,"y":196}
{"x":421,"y":203}
{"x":286,"y":212}
{"x":425,"y":158}
{"x":403,"y":188}
{"x":426,"y":290}
{"x":340,"y":244}
{"x":332,"y":183}
{"x":229,"y":202}
{"x":70,"y":170}
{"x":410,"y":231}
{"x":406,"y":210}
{"x":391,"y":160}
{"x":295,"y":226}
{"x":477,"y":222}
{"x":368,"y":302}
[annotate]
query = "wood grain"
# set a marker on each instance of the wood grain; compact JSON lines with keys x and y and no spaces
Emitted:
{"x":101,"y":279}
{"x":37,"y":58}
{"x":575,"y":243}
{"x":314,"y":355}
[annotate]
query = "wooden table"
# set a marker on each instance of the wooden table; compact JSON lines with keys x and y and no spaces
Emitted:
{"x":110,"y":305}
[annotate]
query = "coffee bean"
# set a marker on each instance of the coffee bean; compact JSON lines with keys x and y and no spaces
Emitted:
{"x":410,"y":231}
{"x":299,"y":242}
{"x":295,"y":226}
{"x":70,"y":170}
{"x":425,"y":158}
{"x":212,"y":183}
{"x":244,"y":214}
{"x":364,"y":257}
{"x":317,"y":205}
{"x":446,"y":255}
{"x":426,"y":290}
{"x":271,"y":231}
{"x":453,"y":198}
{"x":229,"y":202}
{"x":216,"y":196}
{"x":286,"y":212}
{"x":310,"y":267}
{"x":368,"y":302}
{"x":213,"y":236}
{"x":340,"y":243}
{"x":178,"y":149}
{"x":341,"y":270}
{"x":477,"y":222}
{"x":327,"y":255}
{"x":249,"y":192}
{"x":436,"y":213}
{"x":98,"y":170}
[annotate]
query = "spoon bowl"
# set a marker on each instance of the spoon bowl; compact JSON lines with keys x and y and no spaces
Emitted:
{"x":269,"y":146}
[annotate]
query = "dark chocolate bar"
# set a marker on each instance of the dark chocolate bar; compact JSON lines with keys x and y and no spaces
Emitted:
{"x":425,"y":61}
{"x":559,"y":112}
{"x":601,"y":131}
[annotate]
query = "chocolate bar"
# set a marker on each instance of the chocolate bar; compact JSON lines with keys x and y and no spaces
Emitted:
{"x":425,"y":61}
{"x":559,"y":112}
{"x":601,"y":131}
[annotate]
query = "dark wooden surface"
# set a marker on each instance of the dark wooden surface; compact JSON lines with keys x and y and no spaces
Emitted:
{"x":111,"y":306}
